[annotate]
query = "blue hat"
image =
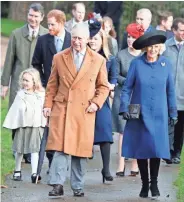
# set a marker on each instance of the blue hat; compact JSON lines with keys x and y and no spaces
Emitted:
{"x":94,"y":26}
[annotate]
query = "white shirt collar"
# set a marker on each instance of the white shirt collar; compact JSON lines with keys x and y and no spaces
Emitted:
{"x":178,"y":42}
{"x":62,"y":37}
{"x":82,"y":53}
{"x":31,"y":31}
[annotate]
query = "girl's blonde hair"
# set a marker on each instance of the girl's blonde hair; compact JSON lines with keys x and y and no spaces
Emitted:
{"x":109,"y":20}
{"x":36,"y":79}
{"x":105,"y":46}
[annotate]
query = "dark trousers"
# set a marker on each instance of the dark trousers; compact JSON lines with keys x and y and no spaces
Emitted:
{"x":154,"y":164}
{"x":50,"y":155}
{"x":178,"y":135}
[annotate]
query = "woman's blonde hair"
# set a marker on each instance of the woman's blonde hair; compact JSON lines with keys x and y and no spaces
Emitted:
{"x":109,"y":20}
{"x":105,"y":46}
{"x":36,"y":79}
{"x":162,"y":49}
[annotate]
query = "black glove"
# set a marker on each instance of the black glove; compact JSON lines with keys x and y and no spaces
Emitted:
{"x":173,"y":121}
{"x":126,"y":115}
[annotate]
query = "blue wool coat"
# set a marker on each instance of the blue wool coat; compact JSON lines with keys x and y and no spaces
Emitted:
{"x":150,"y":85}
{"x":103,"y":122}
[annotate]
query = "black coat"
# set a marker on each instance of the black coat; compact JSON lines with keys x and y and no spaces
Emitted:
{"x":112,"y":9}
{"x":44,"y":52}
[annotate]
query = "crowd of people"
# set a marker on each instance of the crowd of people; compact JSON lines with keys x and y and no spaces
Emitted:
{"x":79,"y":80}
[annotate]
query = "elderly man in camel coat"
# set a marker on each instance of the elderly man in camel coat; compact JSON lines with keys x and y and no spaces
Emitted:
{"x":77,"y":88}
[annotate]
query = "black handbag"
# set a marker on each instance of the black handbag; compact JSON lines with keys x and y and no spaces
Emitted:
{"x":134,"y":111}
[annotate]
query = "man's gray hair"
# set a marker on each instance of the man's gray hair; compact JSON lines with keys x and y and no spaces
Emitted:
{"x":81,"y":28}
{"x":146,"y":11}
{"x":37,"y":7}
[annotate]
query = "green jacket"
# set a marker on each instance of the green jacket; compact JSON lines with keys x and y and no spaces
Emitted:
{"x":18,"y":58}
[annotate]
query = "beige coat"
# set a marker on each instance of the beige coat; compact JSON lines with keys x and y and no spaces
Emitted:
{"x":69,"y":94}
{"x":26,"y":111}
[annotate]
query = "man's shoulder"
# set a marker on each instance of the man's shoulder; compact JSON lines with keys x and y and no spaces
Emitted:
{"x":170,"y":42}
{"x":96,"y":56}
{"x":43,"y":30}
{"x":19,"y":30}
{"x":45,"y":36}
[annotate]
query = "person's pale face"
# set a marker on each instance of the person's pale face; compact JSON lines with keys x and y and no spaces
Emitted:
{"x":168,"y":23}
{"x":34,"y":18}
{"x":95,"y":42}
{"x":27,"y":82}
{"x":153,"y":52}
{"x":79,"y":13}
{"x":130,"y":40}
{"x":107,"y":27}
{"x":79,"y":40}
{"x":143,"y":20}
{"x":54,"y":27}
{"x":179,"y":33}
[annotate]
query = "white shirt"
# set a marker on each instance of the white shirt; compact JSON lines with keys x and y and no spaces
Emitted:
{"x":31,"y":31}
{"x":81,"y":56}
{"x":62,"y":37}
{"x":178,"y":42}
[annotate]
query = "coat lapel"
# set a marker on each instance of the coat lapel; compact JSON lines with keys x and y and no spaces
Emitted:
{"x":86,"y":65}
{"x":69,"y":62}
{"x":25,"y":32}
{"x":51,"y":44}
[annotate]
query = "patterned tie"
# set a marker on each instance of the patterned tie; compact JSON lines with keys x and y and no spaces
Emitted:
{"x":59,"y":45}
{"x":77,"y":61}
{"x":33,"y":35}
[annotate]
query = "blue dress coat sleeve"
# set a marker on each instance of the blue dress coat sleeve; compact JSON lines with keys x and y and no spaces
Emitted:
{"x":172,"y":109}
{"x":112,"y":70}
{"x":127,"y":88}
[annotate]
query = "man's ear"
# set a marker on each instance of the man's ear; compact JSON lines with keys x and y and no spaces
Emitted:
{"x":42,"y":17}
{"x":73,"y":12}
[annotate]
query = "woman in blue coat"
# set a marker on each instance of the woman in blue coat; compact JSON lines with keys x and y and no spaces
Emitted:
{"x":149,"y":83}
{"x":103,"y":123}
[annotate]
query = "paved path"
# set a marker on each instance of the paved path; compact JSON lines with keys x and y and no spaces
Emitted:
{"x":120,"y":190}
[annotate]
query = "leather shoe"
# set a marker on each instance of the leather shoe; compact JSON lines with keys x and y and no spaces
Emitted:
{"x":176,"y":160}
{"x":57,"y":190}
{"x":78,"y":193}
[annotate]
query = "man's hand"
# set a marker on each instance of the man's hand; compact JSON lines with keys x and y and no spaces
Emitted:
{"x":92,"y":108}
{"x":4,"y":91}
{"x":46,"y":112}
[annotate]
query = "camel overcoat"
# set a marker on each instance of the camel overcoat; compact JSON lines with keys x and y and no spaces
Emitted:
{"x":68,"y":94}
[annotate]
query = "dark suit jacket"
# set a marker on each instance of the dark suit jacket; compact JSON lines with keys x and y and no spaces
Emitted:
{"x":44,"y":52}
{"x":112,"y":9}
{"x":125,"y":35}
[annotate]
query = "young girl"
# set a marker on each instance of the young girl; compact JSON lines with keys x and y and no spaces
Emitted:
{"x":26,"y":117}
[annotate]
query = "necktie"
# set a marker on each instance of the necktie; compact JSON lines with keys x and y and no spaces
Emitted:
{"x":179,"y":46}
{"x":33,"y":34}
{"x":59,"y":45}
{"x":77,"y":61}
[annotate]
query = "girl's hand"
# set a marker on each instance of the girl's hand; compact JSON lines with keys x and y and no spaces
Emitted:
{"x":46,"y":112}
{"x":111,"y":86}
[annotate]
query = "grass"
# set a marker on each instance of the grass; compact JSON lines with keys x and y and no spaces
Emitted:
{"x":7,"y":161}
{"x":8,"y":25}
{"x":180,"y":180}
